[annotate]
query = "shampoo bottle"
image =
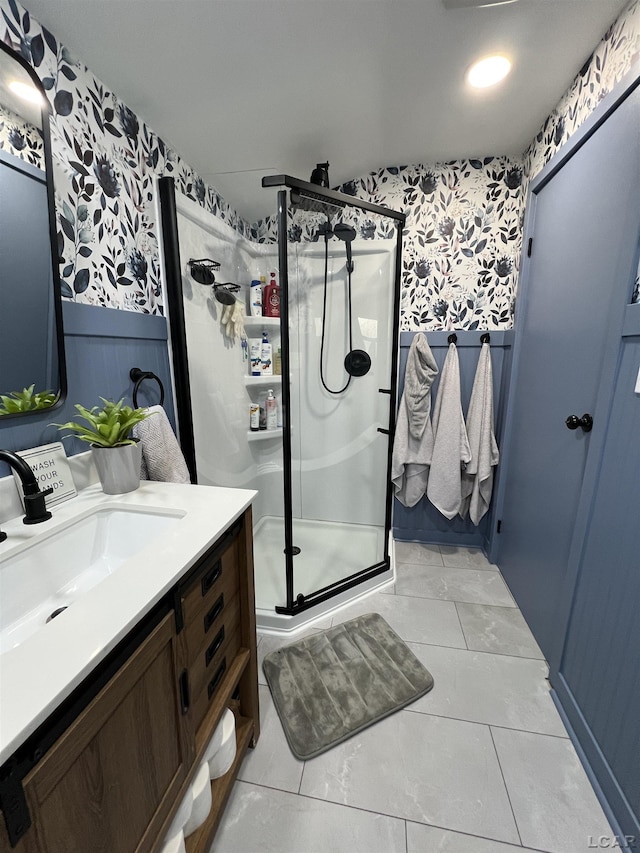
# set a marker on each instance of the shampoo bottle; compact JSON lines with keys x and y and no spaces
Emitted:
{"x":255,"y":347}
{"x":255,"y":298}
{"x":271,"y":406}
{"x":266,"y":362}
{"x":271,"y":302}
{"x":263,"y":281}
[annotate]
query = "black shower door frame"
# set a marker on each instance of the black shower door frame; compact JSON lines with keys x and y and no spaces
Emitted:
{"x":321,"y":196}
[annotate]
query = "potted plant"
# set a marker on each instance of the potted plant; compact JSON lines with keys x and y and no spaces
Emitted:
{"x":117,"y":455}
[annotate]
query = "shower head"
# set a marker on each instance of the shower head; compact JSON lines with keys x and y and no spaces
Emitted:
{"x":348,"y":234}
{"x":344,"y":232}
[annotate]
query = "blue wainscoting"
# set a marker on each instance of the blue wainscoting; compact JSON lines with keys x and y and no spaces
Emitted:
{"x":101,"y":346}
{"x":423,"y":522}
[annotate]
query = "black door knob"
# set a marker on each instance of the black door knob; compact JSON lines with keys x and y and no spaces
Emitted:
{"x":585,"y":422}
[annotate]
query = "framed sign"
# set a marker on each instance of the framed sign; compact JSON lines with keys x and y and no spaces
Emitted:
{"x":50,"y":465}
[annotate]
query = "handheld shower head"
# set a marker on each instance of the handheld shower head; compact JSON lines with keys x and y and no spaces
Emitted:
{"x":348,"y":234}
{"x":344,"y":232}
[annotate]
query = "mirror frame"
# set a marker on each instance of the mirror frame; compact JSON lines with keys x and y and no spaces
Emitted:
{"x":53,"y":242}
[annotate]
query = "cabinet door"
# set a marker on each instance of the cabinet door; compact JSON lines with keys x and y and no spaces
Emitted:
{"x":106,"y":785}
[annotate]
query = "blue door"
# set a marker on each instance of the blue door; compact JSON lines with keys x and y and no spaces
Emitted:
{"x":583,"y":245}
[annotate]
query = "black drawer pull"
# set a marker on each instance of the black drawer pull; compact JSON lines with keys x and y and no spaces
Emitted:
{"x":213,"y":614}
{"x":185,"y":699}
{"x":218,"y":640}
{"x":217,"y":678}
{"x":211,"y":577}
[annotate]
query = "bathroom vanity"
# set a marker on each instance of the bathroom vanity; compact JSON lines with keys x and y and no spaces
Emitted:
{"x":107,"y":710}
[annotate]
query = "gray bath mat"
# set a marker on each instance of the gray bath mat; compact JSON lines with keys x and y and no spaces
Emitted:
{"x":333,"y":684}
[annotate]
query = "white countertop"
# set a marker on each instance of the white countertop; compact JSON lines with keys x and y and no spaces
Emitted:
{"x":38,"y":674}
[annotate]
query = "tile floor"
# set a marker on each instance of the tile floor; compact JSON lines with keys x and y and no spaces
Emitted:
{"x":481,"y":764}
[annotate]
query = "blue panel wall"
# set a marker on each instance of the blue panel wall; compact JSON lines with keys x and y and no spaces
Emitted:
{"x":423,"y":522}
{"x":101,"y":346}
{"x":598,"y":682}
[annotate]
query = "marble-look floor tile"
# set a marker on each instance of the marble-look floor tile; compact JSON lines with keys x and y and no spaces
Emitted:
{"x":414,"y":620}
{"x":458,"y":557}
{"x":497,"y":629}
{"x":416,"y":552}
{"x":419,"y":767}
{"x":484,"y":688}
{"x":553,"y":802}
{"x":260,"y":820}
{"x":271,"y":763}
{"x":431,"y":839}
{"x":469,"y":585}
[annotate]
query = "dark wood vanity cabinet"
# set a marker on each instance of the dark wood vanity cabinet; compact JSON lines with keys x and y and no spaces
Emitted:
{"x":112,"y":781}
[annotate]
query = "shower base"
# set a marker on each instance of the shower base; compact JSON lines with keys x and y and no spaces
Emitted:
{"x":329,"y":552}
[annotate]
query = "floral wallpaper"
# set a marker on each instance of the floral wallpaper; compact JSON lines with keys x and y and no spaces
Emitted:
{"x":464,"y":218}
{"x":20,"y":138}
{"x":105,"y":160}
{"x":607,"y":65}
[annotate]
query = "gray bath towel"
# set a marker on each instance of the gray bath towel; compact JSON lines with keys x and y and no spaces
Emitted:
{"x":162,"y":459}
{"x":450,"y":445}
{"x":413,"y":442}
{"x":477,"y":479}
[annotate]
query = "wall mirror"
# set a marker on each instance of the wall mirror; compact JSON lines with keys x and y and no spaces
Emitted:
{"x":32,"y":370}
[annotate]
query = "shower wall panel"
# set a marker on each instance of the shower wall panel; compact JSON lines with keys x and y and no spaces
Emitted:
{"x":217,"y":370}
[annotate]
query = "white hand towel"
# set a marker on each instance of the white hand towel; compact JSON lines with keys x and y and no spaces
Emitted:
{"x":450,"y":444}
{"x":477,"y":480}
{"x":162,"y":459}
{"x":413,"y":441}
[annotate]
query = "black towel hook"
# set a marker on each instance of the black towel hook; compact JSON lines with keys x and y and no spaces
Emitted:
{"x":452,"y":339}
{"x":486,"y":338}
{"x":138,"y":376}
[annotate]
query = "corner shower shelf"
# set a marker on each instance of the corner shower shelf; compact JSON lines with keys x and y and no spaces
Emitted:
{"x":263,"y":322}
{"x":274,"y":379}
{"x":264,"y":434}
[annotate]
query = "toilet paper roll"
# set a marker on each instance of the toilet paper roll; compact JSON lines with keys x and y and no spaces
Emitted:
{"x":225,"y":726}
{"x":182,"y":815}
{"x":201,"y":788}
{"x":174,"y":843}
{"x":221,"y":760}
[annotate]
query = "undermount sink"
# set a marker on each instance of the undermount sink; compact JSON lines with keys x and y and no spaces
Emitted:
{"x":49,"y":575}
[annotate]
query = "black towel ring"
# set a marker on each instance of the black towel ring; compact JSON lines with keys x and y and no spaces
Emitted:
{"x":486,"y":338}
{"x":138,"y":376}
{"x":452,"y":339}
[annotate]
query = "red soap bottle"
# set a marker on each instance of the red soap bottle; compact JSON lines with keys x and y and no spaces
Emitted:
{"x":271,"y":298}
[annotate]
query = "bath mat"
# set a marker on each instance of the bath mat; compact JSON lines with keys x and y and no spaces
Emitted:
{"x":331,"y":685}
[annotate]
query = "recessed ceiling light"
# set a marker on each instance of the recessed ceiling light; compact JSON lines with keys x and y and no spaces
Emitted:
{"x":488,"y":71}
{"x":26,"y":91}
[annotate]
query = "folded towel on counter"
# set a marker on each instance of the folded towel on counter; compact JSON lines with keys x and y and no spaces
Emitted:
{"x":413,"y":441}
{"x":162,"y":459}
{"x":451,"y":450}
{"x":477,"y":479}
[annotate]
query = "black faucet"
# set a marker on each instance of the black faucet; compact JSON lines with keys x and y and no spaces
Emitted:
{"x":35,"y":509}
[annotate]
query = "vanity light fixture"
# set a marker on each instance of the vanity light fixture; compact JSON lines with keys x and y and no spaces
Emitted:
{"x":488,"y":71}
{"x":25,"y":91}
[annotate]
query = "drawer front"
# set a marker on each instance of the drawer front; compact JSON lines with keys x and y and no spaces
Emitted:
{"x":215,"y":676}
{"x":213,"y":649}
{"x":205,"y":604}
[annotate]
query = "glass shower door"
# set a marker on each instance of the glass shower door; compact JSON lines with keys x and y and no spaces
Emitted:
{"x":340,"y":422}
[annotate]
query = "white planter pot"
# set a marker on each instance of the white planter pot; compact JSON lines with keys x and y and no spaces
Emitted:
{"x":118,"y":467}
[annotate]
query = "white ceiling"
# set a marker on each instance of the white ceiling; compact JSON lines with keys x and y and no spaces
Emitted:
{"x":241,"y":88}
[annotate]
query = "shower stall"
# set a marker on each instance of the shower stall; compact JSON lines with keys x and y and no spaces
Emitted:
{"x":322,"y":517}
